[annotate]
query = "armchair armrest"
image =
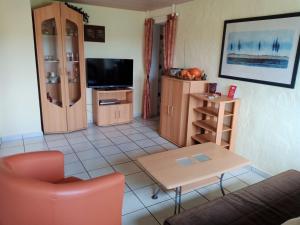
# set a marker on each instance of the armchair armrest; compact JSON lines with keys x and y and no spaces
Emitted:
{"x":94,"y":202}
{"x":45,"y":165}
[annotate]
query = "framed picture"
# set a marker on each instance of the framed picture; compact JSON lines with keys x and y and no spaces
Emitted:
{"x":94,"y":33}
{"x":261,"y":49}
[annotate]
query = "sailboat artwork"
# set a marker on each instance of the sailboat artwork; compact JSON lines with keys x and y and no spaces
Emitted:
{"x":264,"y":50}
{"x":270,"y":49}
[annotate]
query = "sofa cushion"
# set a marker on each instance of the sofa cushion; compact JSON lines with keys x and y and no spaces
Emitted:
{"x":269,"y":202}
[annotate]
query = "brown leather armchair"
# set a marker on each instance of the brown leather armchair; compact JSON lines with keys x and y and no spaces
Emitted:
{"x":33,"y":191}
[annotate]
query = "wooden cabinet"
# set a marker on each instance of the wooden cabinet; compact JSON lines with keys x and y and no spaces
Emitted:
{"x":61,"y":68}
{"x":124,"y":113}
{"x":105,"y":115}
{"x":165,"y":109}
{"x":212,"y":120}
{"x":174,"y":107}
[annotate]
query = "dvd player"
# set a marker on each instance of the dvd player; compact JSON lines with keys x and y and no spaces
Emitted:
{"x":109,"y":101}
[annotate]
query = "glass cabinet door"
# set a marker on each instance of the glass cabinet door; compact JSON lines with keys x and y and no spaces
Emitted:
{"x":48,"y":41}
{"x":72,"y":62}
{"x":52,"y":76}
{"x":74,"y":68}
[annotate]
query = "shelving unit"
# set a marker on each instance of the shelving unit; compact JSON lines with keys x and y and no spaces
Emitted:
{"x":212,"y":120}
{"x":105,"y":115}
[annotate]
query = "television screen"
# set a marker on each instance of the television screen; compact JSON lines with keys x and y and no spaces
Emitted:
{"x":109,"y":72}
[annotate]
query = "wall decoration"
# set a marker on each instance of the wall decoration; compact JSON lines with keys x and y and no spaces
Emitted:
{"x":94,"y":33}
{"x":262,"y":49}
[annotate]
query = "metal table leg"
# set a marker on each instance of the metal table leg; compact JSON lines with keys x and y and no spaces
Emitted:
{"x":221,"y":184}
{"x":155,"y":195}
{"x":177,"y":200}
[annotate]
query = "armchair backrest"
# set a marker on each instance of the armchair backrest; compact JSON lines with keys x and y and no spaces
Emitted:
{"x":23,"y":200}
{"x":28,"y":199}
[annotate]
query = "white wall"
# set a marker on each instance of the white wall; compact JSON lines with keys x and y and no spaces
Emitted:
{"x":124,"y":39}
{"x":19,"y":104}
{"x":269,"y":119}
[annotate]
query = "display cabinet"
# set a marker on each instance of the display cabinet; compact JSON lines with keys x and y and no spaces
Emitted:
{"x":61,"y":68}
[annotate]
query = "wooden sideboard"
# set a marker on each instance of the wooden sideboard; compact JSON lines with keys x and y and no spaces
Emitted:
{"x":105,"y":115}
{"x":174,"y":107}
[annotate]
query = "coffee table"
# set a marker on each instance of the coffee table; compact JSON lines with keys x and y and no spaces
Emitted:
{"x":194,"y":165}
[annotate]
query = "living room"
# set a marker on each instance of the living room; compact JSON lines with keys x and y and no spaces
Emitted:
{"x":265,"y":138}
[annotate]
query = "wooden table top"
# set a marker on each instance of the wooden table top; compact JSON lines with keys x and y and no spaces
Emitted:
{"x":166,"y":170}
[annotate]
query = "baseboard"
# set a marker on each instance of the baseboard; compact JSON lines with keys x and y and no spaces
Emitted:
{"x":11,"y":138}
{"x":90,"y":124}
{"x":20,"y":136}
{"x":33,"y":135}
{"x":260,"y":172}
{"x":137,"y":114}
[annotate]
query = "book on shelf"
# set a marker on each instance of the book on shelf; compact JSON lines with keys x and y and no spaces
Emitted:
{"x":232,"y":91}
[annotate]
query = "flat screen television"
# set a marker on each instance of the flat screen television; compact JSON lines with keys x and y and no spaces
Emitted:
{"x":109,"y":73}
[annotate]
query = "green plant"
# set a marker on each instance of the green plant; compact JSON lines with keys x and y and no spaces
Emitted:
{"x":80,"y":10}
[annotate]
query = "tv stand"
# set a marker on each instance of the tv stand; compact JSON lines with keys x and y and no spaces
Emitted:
{"x":112,"y":114}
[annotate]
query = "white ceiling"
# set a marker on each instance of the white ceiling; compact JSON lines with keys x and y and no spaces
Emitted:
{"x":141,"y":5}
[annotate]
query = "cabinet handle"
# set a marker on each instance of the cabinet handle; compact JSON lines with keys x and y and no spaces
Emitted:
{"x":172,"y":109}
{"x":168,"y":111}
{"x":119,"y":114}
{"x":115,"y":114}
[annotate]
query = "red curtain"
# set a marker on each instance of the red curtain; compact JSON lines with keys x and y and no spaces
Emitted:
{"x":148,"y":44}
{"x":169,"y":32}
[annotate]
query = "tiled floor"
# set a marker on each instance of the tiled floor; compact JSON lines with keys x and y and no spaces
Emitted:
{"x":102,"y":150}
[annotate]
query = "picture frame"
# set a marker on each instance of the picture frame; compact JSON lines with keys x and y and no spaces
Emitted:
{"x":94,"y":33}
{"x":262,"y":49}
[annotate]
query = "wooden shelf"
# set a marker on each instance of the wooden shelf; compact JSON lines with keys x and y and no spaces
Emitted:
{"x":203,"y":97}
{"x":49,"y":35}
{"x":57,"y":83}
{"x":210,"y":125}
{"x":211,"y":111}
{"x":203,"y":138}
{"x":51,"y":61}
{"x":125,"y":102}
